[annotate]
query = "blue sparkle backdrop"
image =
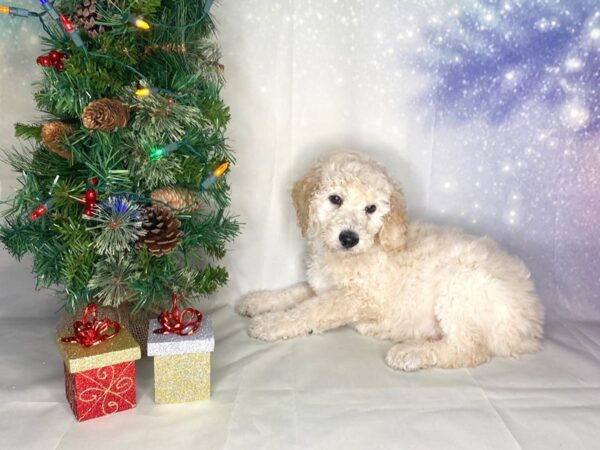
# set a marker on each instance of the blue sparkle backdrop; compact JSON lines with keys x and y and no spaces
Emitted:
{"x":514,"y":93}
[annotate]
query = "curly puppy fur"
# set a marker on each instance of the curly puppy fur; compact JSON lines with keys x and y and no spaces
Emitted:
{"x":447,"y":299}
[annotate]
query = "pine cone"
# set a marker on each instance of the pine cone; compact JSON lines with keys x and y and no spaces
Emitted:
{"x":162,"y":230}
{"x":177,"y":198}
{"x":106,"y":114}
{"x":52,"y":132}
{"x":86,"y":18}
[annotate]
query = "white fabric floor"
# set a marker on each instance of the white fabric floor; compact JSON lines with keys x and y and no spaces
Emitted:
{"x":330,"y":391}
{"x":303,"y":78}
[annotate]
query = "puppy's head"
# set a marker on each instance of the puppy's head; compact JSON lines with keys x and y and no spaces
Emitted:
{"x":347,"y":203}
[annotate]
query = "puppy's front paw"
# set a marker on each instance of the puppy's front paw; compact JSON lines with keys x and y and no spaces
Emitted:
{"x":274,"y":327}
{"x":255,"y":303}
{"x":410,"y":357}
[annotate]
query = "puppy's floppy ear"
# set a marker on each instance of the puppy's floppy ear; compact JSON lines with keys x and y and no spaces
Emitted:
{"x":302,"y":193}
{"x":392,"y":235}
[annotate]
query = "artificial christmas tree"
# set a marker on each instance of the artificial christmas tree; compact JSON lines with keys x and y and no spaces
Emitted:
{"x":131,"y":145}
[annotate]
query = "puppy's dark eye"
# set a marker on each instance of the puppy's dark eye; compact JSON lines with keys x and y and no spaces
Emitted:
{"x":370,"y":209}
{"x":336,"y":200}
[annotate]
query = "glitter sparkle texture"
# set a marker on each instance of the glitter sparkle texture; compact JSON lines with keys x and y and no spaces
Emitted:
{"x":490,"y":59}
{"x":182,"y":378}
{"x":100,"y":380}
{"x":77,"y":358}
{"x":181,"y":363}
{"x":513,"y":89}
{"x":101,"y":391}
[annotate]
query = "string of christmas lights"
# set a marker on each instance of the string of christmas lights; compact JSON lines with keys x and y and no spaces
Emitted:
{"x":22,"y":12}
{"x":118,"y":62}
{"x":217,"y":173}
{"x":137,"y":21}
{"x":49,"y":7}
{"x":42,"y":209}
{"x":160,"y":152}
{"x":147,"y":91}
{"x":64,"y":23}
{"x":16,"y":12}
{"x":72,"y":33}
{"x":89,"y":198}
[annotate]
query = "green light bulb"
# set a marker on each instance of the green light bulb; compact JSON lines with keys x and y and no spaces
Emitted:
{"x":156,"y":153}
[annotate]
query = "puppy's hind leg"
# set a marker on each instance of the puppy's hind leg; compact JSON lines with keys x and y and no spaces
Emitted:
{"x":447,"y":353}
{"x":260,"y":302}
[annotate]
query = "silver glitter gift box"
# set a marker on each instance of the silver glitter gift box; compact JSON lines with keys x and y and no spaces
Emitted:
{"x":181,"y":363}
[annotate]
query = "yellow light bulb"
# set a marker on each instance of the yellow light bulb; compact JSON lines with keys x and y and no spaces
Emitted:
{"x":143,"y":92}
{"x":221,"y":169}
{"x":4,"y":10}
{"x":142,"y":24}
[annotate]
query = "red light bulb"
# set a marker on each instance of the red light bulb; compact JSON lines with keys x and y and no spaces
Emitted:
{"x":68,"y":26}
{"x":38,"y":212}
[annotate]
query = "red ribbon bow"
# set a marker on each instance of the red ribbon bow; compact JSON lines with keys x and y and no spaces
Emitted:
{"x":89,"y":333}
{"x":183,"y":323}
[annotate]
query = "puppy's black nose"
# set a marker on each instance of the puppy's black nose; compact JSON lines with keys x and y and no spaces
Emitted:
{"x":348,"y":238}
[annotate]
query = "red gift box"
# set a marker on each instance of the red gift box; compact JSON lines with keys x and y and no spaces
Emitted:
{"x":102,"y":391}
{"x":99,"y":364}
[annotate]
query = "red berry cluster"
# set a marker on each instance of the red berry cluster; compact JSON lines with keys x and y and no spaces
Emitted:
{"x":89,"y":198}
{"x":54,"y":58}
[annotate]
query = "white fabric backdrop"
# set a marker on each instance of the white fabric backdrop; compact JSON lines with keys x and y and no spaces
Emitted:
{"x":305,"y":77}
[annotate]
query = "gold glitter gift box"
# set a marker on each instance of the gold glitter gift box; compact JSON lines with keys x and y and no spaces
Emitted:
{"x":100,"y":380}
{"x":181,"y":363}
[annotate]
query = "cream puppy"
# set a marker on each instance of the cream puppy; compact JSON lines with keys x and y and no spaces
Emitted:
{"x":447,"y":299}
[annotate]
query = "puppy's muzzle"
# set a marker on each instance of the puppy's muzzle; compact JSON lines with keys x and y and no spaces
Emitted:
{"x":348,"y":238}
